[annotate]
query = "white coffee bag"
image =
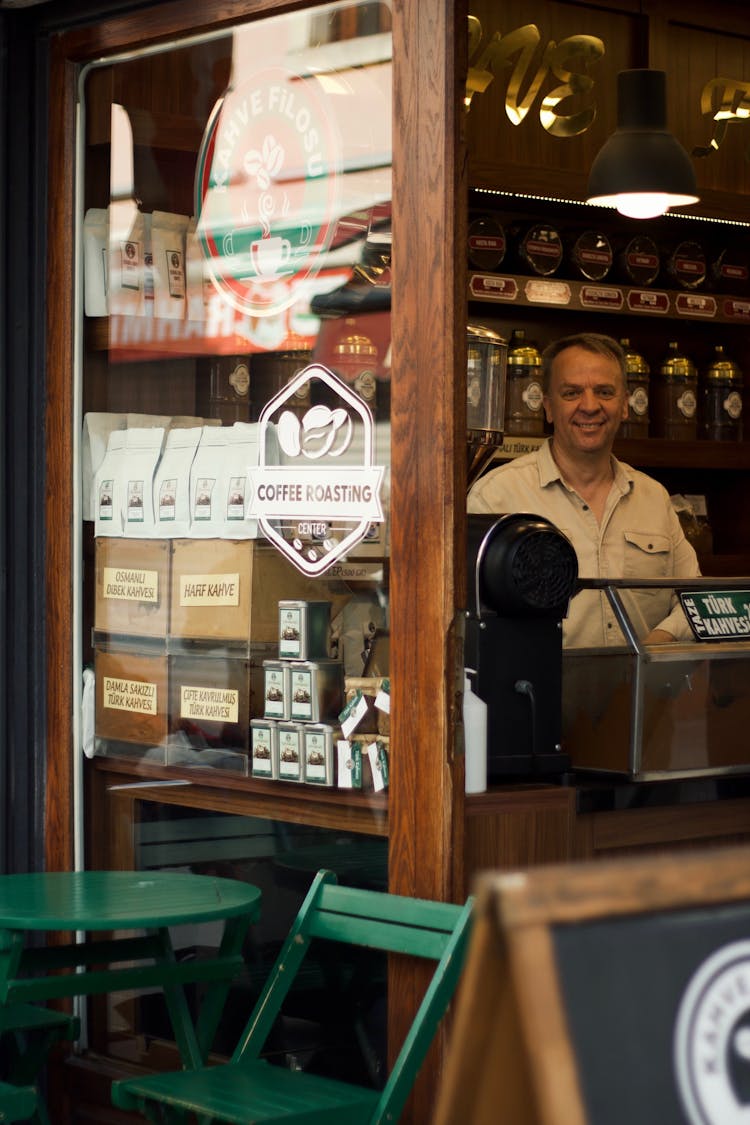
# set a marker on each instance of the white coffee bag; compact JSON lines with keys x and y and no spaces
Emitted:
{"x":172,"y":483}
{"x":206,"y":509}
{"x":198,"y":282}
{"x":142,"y":452}
{"x":94,"y":437}
{"x":95,"y":261}
{"x":241,"y":454}
{"x":127,"y":249}
{"x":148,"y":268}
{"x":108,"y":487}
{"x":168,"y":252}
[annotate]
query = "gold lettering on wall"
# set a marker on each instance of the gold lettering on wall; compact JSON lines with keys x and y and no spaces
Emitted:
{"x":733,"y":95}
{"x":569,"y":61}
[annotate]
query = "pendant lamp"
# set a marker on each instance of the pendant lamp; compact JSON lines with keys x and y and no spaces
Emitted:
{"x":642,"y":170}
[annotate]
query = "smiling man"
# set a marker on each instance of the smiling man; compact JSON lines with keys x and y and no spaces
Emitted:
{"x":620,"y":521}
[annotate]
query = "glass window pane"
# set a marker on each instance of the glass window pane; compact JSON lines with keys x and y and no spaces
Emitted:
{"x":235,"y":390}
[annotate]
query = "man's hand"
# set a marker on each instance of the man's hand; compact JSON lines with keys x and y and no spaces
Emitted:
{"x":658,"y":637}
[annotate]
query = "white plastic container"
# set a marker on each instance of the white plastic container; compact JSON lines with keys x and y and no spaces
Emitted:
{"x":475,"y":738}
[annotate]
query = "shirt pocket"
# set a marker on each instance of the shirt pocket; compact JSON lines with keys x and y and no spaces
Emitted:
{"x":648,"y":554}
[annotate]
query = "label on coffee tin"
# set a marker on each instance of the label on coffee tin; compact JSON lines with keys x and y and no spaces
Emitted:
{"x":733,"y":404}
{"x":638,"y":401}
{"x":301,"y":683}
{"x":262,"y":739}
{"x":290,"y":752}
{"x":687,"y":403}
{"x":318,"y":754}
{"x":533,"y":396}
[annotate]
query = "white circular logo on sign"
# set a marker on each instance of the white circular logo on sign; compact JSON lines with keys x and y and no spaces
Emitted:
{"x":712,"y":1040}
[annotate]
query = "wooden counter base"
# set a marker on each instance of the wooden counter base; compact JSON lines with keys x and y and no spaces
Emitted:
{"x":525,"y":825}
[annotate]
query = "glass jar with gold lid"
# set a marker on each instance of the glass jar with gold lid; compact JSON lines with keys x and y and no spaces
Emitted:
{"x":486,"y":353}
{"x":355,"y":359}
{"x":674,"y":396}
{"x":721,"y":399}
{"x":523,"y":401}
{"x":637,"y":374}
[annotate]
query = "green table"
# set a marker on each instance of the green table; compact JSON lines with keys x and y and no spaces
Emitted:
{"x":98,"y":902}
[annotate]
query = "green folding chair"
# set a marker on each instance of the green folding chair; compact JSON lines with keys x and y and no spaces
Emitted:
{"x":28,"y":1032}
{"x":17,"y":1103}
{"x":248,"y":1089}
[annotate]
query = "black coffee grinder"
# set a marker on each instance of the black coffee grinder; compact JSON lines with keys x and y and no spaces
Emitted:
{"x":522,"y":573}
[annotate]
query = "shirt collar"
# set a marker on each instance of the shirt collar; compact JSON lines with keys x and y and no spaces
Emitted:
{"x":623,"y":474}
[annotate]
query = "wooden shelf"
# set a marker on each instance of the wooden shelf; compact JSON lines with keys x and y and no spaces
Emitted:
{"x":725,"y":566}
{"x":336,"y":809}
{"x":654,"y":453}
{"x":155,"y":130}
{"x":661,"y":453}
{"x":609,"y":298}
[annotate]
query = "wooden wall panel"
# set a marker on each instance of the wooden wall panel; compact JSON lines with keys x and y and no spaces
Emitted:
{"x":525,"y":157}
{"x":694,"y":43}
{"x":692,"y":56}
{"x":518,"y":826}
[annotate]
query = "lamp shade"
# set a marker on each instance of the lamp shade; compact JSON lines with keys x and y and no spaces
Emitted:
{"x":642,"y":170}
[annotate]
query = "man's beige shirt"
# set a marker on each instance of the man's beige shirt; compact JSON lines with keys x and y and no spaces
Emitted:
{"x":639,"y":536}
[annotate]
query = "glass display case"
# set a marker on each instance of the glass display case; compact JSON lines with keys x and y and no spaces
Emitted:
{"x":653,"y":712}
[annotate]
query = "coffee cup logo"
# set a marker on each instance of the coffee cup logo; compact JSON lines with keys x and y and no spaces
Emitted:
{"x":270,"y":256}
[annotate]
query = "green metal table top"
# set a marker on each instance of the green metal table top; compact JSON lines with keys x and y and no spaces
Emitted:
{"x":103,"y":900}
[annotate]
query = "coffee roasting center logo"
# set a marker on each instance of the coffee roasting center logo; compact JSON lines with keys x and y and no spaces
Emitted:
{"x":316,"y":490}
{"x":266,"y":189}
{"x":712,"y":1040}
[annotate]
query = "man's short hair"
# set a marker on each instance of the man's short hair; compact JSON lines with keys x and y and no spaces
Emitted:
{"x":590,"y":342}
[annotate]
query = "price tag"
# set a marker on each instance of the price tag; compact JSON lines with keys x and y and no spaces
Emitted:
{"x":353,"y":714}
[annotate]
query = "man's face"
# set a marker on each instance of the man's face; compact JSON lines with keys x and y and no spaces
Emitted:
{"x":586,"y":401}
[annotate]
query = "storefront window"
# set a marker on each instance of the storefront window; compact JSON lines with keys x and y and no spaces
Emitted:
{"x":235,"y":379}
{"x":233,"y":360}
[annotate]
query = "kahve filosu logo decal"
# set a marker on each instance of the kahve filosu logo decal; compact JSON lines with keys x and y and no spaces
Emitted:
{"x":267,"y":187}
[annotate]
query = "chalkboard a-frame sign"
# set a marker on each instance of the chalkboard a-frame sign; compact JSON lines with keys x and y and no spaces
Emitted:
{"x":608,"y":993}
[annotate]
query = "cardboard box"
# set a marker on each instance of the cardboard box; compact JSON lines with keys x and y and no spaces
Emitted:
{"x":131,"y":695}
{"x":228,"y":589}
{"x":132,"y":586}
